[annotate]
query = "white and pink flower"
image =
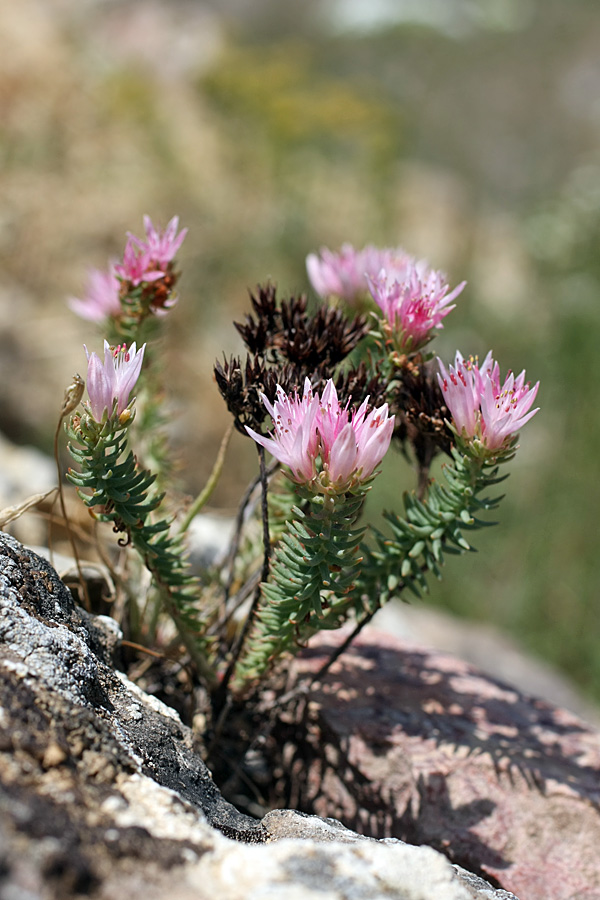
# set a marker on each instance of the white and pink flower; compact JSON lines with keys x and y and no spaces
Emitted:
{"x":294,"y":439}
{"x":350,"y":444}
{"x":483,"y":408}
{"x":112,"y":381}
{"x":138,"y":265}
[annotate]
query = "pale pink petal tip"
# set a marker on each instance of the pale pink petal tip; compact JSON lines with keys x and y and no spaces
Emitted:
{"x":101,"y":297}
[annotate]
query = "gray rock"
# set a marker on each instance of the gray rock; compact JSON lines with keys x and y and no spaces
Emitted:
{"x":311,"y":870}
{"x":103,"y":795}
{"x":24,"y":471}
{"x":208,"y":537}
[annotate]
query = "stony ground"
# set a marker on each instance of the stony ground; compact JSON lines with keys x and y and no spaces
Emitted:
{"x":102,"y":793}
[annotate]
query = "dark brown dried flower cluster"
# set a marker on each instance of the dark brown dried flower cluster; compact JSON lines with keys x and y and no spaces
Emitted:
{"x":416,"y":400}
{"x":288,"y":344}
{"x":287,"y":330}
{"x":358,"y":383}
{"x":317,"y":342}
{"x":241,"y":387}
{"x":258,"y":333}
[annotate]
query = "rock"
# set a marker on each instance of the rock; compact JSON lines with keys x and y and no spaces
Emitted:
{"x":24,"y":471}
{"x":488,"y":648}
{"x":102,"y":793}
{"x":405,"y":741}
{"x":300,"y":870}
{"x":50,"y":645}
{"x":209,"y":537}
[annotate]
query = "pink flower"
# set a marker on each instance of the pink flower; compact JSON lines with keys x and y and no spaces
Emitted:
{"x":414,"y":299}
{"x":138,"y":265}
{"x":113,"y":380}
{"x":148,"y":261}
{"x":294,"y":440}
{"x":344,"y":274}
{"x":101,"y":298}
{"x":352,"y":445}
{"x":482,"y":408}
{"x":162,"y":245}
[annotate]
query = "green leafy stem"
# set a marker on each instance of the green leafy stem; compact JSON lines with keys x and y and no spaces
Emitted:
{"x":428,"y":529}
{"x":314,"y":567}
{"x":320,"y":574}
{"x":117,"y":490}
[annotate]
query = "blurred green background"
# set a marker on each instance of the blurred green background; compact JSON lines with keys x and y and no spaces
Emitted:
{"x":465,"y":130}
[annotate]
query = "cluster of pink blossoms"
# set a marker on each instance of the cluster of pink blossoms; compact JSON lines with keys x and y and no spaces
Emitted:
{"x":113,"y":380}
{"x":350,"y":444}
{"x":482,"y":408}
{"x":144,"y":261}
{"x":413,"y":297}
{"x":345,"y":274}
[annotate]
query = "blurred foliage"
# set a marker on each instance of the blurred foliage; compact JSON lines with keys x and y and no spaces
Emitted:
{"x":280,"y":92}
{"x":477,"y":147}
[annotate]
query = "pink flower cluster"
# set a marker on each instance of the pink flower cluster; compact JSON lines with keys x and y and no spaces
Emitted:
{"x":113,"y":380}
{"x":350,"y":444}
{"x":414,"y":299}
{"x":482,"y":408}
{"x":143,"y":262}
{"x":148,"y":260}
{"x":345,"y":274}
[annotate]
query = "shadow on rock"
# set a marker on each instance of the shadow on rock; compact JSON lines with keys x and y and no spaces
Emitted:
{"x":402,"y":741}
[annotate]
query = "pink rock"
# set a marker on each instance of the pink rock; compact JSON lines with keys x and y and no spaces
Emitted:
{"x":412,"y":743}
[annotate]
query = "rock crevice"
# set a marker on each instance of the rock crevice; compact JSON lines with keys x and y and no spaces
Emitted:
{"x":102,"y":794}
